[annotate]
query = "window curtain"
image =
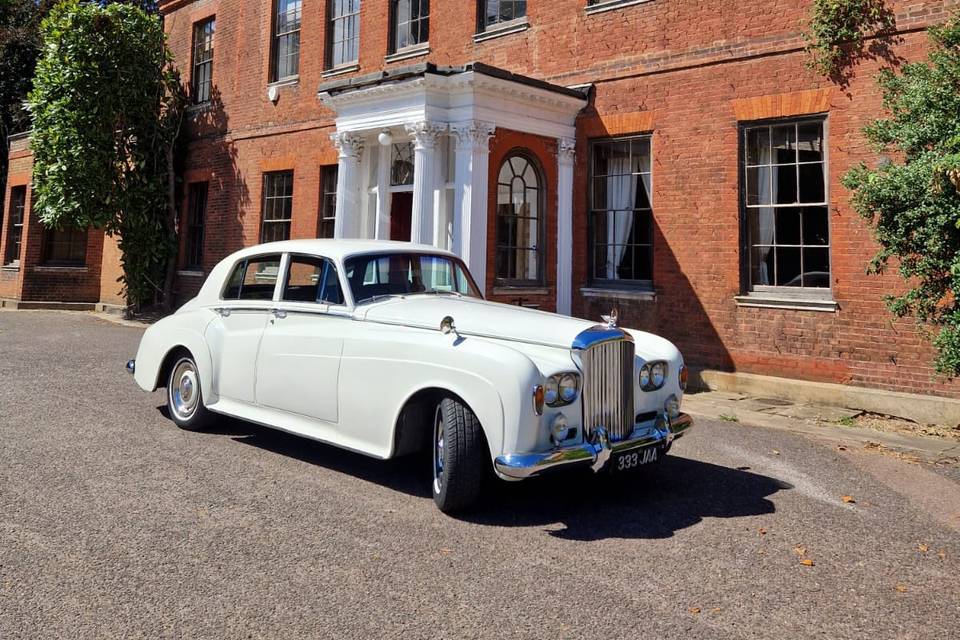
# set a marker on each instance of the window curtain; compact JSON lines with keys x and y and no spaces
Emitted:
{"x":767,"y":194}
{"x":621,"y":199}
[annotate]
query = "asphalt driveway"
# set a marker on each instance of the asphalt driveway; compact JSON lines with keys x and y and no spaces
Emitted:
{"x":113,"y":523}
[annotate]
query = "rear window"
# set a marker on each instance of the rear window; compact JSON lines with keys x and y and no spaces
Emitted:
{"x":311,"y":279}
{"x":253,"y":279}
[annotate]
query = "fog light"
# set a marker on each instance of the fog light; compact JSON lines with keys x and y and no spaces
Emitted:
{"x":560,"y":428}
{"x":672,"y":407}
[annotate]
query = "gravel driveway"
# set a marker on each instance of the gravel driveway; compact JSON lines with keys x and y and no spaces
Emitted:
{"x":113,"y":523}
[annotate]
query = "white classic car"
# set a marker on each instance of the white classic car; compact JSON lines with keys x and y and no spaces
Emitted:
{"x":388,"y":348}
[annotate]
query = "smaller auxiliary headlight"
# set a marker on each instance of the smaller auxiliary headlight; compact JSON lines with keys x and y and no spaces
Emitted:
{"x":672,"y":407}
{"x":559,"y":428}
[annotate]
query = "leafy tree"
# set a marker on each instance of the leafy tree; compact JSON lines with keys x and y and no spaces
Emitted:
{"x":914,"y":202}
{"x":107,"y":107}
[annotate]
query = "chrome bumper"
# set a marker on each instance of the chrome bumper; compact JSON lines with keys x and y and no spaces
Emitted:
{"x":594,"y":454}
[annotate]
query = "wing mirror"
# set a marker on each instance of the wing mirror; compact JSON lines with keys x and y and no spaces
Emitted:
{"x":446,"y":326}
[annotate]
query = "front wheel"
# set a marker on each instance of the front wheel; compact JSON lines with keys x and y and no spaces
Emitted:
{"x":184,"y":396}
{"x":459,"y":456}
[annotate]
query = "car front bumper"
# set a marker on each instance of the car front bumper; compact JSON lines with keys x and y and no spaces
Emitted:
{"x":596,"y":454}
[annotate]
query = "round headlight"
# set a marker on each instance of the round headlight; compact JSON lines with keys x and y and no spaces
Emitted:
{"x":568,"y":388}
{"x":551,"y":392}
{"x":658,"y":373}
{"x":645,"y":376}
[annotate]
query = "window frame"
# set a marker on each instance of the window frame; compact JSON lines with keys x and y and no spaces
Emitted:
{"x":191,"y":243}
{"x":775,"y":293}
{"x":275,"y":37}
{"x":328,"y":200}
{"x":12,"y":257}
{"x":394,"y":26}
{"x":260,"y":257}
{"x":541,"y":247}
{"x":484,"y":27}
{"x":331,"y":44}
{"x":642,"y":285}
{"x":267,"y":176}
{"x":198,"y":29}
{"x":329,"y":264}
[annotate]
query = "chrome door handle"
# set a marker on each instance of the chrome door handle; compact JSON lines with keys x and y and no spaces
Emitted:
{"x":223,"y":311}
{"x":279,"y":313}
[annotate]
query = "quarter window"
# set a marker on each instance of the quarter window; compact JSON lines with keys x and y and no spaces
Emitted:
{"x":65,"y":247}
{"x":277,"y":206}
{"x":286,"y":39}
{"x":411,"y":23}
{"x":253,"y":279}
{"x":202,"y":60}
{"x":18,"y":205}
{"x":519,"y":226}
{"x":196,"y":214}
{"x":785,"y":208}
{"x":621,"y":212}
{"x":344,"y":33}
{"x":328,"y":201}
{"x":494,"y":12}
{"x":311,"y":279}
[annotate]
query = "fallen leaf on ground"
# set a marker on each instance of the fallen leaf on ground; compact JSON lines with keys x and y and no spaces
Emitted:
{"x":775,"y":452}
{"x":902,"y":588}
{"x":761,"y":531}
{"x":848,"y":499}
{"x":922,"y":548}
{"x":942,"y":554}
{"x":807,"y":562}
{"x":800,"y":550}
{"x":840,"y":447}
{"x":694,"y":609}
{"x":717,"y":609}
{"x":444,"y":550}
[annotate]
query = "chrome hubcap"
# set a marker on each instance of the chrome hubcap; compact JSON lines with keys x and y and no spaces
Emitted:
{"x":438,"y":452}
{"x":184,"y":389}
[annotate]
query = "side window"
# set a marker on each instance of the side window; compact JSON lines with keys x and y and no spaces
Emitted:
{"x":311,"y":279}
{"x":253,"y":279}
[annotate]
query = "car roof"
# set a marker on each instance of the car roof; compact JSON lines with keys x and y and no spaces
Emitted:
{"x":337,"y":249}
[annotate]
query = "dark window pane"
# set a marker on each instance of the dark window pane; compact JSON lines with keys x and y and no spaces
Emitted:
{"x":785,"y":184}
{"x":260,"y":278}
{"x":642,"y":199}
{"x":788,"y":267}
{"x":811,"y":183}
{"x":761,"y":265}
{"x":761,"y":225}
{"x":758,"y":146}
{"x":810,"y":142}
{"x":232,"y":290}
{"x":641,"y":232}
{"x":788,"y":227}
{"x":816,"y":267}
{"x":783,"y":141}
{"x":816,"y":226}
{"x":758,"y":186}
{"x":636,"y":263}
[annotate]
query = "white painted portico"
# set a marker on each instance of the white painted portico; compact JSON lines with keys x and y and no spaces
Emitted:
{"x":448,"y":114}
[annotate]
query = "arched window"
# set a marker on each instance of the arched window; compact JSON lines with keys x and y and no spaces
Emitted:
{"x":519,"y":229}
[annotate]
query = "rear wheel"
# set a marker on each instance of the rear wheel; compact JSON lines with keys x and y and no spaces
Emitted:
{"x":459,"y":456}
{"x":184,"y":396}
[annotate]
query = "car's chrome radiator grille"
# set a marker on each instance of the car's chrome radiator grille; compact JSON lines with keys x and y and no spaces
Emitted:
{"x":608,"y":388}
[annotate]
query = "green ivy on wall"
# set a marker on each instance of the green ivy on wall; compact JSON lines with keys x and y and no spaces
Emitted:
{"x":838,"y":29}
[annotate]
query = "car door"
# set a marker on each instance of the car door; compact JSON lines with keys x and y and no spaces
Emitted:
{"x":298,"y":366}
{"x":235,"y":333}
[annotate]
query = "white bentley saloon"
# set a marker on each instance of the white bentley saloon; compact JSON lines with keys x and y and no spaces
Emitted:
{"x":388,"y":348}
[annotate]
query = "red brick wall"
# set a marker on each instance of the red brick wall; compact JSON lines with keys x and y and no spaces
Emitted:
{"x":686,"y":71}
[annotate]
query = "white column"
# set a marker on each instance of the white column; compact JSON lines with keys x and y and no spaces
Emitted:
{"x":565,"y":156}
{"x":350,"y":146}
{"x":425,"y":174}
{"x":472,"y":165}
{"x":382,"y":231}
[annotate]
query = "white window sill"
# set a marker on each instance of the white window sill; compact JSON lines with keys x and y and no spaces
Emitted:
{"x":639,"y":295}
{"x":285,"y":82}
{"x":60,"y":268}
{"x":190,"y":273}
{"x":508,"y":290}
{"x":502,"y":29}
{"x":13,"y":266}
{"x":612,"y":5}
{"x":792,"y":303}
{"x":341,"y":70}
{"x":406,"y":53}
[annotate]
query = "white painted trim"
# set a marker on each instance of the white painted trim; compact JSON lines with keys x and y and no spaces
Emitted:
{"x":795,"y":304}
{"x":407,"y":53}
{"x":612,"y":5}
{"x":514,"y":26}
{"x":639,"y":295}
{"x":566,"y":149}
{"x":341,"y":70}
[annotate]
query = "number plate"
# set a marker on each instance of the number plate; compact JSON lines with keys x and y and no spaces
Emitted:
{"x":635,"y":458}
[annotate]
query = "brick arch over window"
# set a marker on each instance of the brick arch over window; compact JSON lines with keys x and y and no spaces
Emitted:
{"x":542,"y":153}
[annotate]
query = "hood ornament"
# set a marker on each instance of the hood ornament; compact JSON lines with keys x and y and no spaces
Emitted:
{"x":612,"y":319}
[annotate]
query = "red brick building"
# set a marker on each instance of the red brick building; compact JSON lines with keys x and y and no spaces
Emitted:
{"x":673,"y":158}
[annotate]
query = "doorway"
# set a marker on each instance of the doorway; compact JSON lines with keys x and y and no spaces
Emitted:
{"x":401,"y":211}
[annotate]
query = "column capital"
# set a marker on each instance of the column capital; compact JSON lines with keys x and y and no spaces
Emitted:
{"x":348,"y":143}
{"x":472,"y":134}
{"x":566,"y":150}
{"x":426,"y":133}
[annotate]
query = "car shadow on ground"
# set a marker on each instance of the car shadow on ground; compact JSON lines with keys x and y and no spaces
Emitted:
{"x":654,"y":502}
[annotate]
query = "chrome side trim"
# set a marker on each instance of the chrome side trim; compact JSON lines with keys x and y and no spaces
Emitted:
{"x":594,"y":454}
